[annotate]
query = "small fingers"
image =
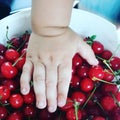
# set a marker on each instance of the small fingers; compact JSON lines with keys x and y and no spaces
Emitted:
{"x":87,"y":53}
{"x":26,"y":77}
{"x":65,"y":71}
{"x":39,"y":85}
{"x":51,"y":87}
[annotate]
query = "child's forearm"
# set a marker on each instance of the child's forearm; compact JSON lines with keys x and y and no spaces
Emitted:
{"x":49,"y":16}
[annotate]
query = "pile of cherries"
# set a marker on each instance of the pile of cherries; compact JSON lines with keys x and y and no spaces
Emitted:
{"x":93,"y":94}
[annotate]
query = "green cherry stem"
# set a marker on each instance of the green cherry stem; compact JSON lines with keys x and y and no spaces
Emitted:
{"x":18,"y":59}
{"x":90,"y":96}
{"x":76,"y":106}
{"x":94,"y":79}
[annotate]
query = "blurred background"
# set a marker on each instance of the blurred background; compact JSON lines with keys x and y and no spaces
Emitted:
{"x":109,"y":9}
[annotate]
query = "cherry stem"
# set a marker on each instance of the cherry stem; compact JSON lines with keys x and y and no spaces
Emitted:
{"x":23,"y":41}
{"x":89,"y":97}
{"x":116,"y":101}
{"x":18,"y":59}
{"x":76,"y":106}
{"x":94,"y":79}
{"x":7,"y":33}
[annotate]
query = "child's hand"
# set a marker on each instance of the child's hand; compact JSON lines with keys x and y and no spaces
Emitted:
{"x":49,"y":60}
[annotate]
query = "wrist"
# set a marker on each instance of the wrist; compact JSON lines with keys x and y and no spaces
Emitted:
{"x":49,"y":31}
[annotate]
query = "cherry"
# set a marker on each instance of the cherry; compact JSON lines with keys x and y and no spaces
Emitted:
{"x":106,"y":54}
{"x":77,"y":60}
{"x":3,"y":113}
{"x":11,"y":55}
{"x":86,"y":85}
{"x":29,"y":111}
{"x":10,"y":84}
{"x":8,"y":70}
{"x":70,"y":114}
{"x":2,"y":49}
{"x":108,"y":75}
{"x":115,"y":63}
{"x":97,"y":47}
{"x":109,"y":88}
{"x":108,"y":103}
{"x":14,"y":42}
{"x":75,"y":81}
{"x":82,"y":71}
{"x":2,"y":60}
{"x":68,"y":105}
{"x":99,"y":118}
{"x":16,"y":100}
{"x":78,"y":97}
{"x":4,"y":93}
{"x":96,"y":72}
{"x":29,"y":98}
{"x":15,"y":116}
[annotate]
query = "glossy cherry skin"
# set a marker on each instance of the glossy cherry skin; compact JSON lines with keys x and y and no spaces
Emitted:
{"x":3,"y":113}
{"x":75,"y":81}
{"x":16,"y":100}
{"x":106,"y":54}
{"x":96,"y":72}
{"x":97,"y":47}
{"x":29,"y":98}
{"x":99,"y":118}
{"x":70,"y":114}
{"x":78,"y":97}
{"x":2,"y":49}
{"x":115,"y":63}
{"x":8,"y":70}
{"x":69,"y":104}
{"x":11,"y":54}
{"x":77,"y":60}
{"x":108,"y":103}
{"x":86,"y":85}
{"x":4,"y":93}
{"x":15,"y":116}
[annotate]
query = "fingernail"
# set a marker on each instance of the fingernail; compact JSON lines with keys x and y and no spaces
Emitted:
{"x":61,"y":103}
{"x":51,"y":109}
{"x":24,"y":90}
{"x":41,"y":105}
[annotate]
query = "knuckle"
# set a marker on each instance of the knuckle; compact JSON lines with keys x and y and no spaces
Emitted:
{"x":38,"y":78}
{"x":50,"y":84}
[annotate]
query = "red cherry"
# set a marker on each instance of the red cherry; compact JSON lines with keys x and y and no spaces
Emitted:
{"x":96,"y":72}
{"x":9,"y":84}
{"x":106,"y":54}
{"x":68,"y":105}
{"x":109,"y":88}
{"x":97,"y":47}
{"x":115,"y":63}
{"x":99,"y":118}
{"x":86,"y":85}
{"x":108,"y":103}
{"x":2,"y":60}
{"x":82,"y":71}
{"x":15,"y":116}
{"x":2,"y":49}
{"x":75,"y":81}
{"x":70,"y":114}
{"x":108,"y":75}
{"x":11,"y":54}
{"x":8,"y":70}
{"x":77,"y":60}
{"x":117,"y":96}
{"x":20,"y":62}
{"x":3,"y":113}
{"x":4,"y":93}
{"x":16,"y":100}
{"x":78,"y":97}
{"x":29,"y":98}
{"x":29,"y":111}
